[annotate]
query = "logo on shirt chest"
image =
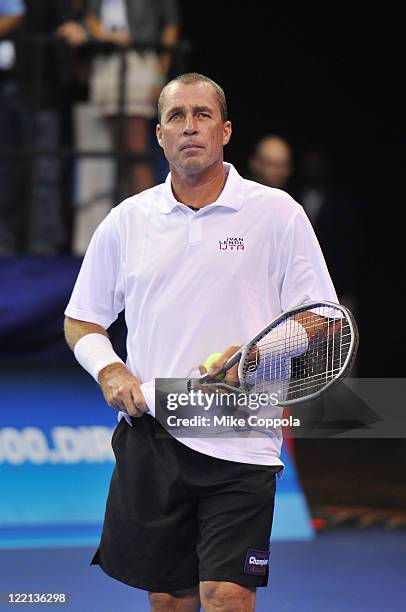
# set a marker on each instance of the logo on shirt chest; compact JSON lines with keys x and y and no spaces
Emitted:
{"x":232,"y":244}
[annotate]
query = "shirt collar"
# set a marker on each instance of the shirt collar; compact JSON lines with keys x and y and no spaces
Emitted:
{"x":231,"y":196}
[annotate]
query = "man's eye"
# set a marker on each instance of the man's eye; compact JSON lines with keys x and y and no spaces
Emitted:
{"x":175,"y":116}
{"x":203,"y":114}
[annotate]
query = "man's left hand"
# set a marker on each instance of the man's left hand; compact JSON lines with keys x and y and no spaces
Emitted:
{"x":231,"y":376}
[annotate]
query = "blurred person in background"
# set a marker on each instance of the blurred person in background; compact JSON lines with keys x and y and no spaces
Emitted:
{"x":124,"y":22}
{"x":334,"y":213}
{"x":11,"y":121}
{"x":332,"y":209}
{"x":44,"y":68}
{"x":271,"y":163}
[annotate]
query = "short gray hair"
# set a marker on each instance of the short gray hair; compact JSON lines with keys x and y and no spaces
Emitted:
{"x":195,"y":77}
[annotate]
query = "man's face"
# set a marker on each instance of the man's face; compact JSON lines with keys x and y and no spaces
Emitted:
{"x":272,"y":163}
{"x":192,"y":132}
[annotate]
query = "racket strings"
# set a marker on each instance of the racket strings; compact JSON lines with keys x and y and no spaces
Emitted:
{"x":296,"y":361}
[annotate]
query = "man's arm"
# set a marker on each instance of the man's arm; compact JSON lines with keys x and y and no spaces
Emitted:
{"x":120,"y":388}
{"x":67,"y":23}
{"x":169,"y":38}
{"x":75,"y":330}
{"x":317,"y":326}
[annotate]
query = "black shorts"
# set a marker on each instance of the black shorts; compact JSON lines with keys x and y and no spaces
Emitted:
{"x":175,"y":517}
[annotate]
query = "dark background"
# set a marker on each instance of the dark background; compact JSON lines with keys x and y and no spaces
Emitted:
{"x":330,"y":77}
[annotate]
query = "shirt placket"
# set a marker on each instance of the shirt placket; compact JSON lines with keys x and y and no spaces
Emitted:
{"x":195,"y":232}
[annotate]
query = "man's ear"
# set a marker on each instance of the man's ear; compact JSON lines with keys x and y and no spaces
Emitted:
{"x":158,"y":133}
{"x":227,"y":131}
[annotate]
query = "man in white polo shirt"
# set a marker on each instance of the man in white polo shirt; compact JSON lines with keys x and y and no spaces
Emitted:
{"x":199,"y":264}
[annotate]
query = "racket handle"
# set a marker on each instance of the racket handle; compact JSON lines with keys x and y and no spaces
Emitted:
{"x":228,"y":364}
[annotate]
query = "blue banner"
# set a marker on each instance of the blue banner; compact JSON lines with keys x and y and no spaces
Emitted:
{"x":34,"y":294}
{"x":56,"y":461}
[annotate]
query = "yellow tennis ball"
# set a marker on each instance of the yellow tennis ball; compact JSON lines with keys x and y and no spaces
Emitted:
{"x":211,"y":359}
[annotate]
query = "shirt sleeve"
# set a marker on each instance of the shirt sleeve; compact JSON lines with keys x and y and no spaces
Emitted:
{"x":303,"y":272}
{"x":99,"y":295}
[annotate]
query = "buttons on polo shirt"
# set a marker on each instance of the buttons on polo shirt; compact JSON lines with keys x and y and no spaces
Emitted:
{"x":195,"y":233}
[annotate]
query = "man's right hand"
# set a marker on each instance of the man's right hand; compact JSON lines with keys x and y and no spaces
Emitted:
{"x":122,"y":390}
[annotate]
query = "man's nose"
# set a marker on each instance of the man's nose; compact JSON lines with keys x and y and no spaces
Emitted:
{"x":190,"y":125}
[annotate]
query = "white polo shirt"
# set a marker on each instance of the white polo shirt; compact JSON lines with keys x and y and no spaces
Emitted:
{"x":194,"y":283}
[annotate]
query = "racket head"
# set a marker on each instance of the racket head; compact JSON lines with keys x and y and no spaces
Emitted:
{"x":300,"y":354}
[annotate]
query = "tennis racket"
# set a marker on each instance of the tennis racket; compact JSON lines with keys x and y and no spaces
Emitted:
{"x":299,"y":355}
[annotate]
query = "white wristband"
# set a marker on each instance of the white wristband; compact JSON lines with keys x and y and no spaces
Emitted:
{"x":94,"y":352}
